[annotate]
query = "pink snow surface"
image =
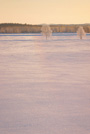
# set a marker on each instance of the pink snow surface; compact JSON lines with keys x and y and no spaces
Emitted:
{"x":44,"y":84}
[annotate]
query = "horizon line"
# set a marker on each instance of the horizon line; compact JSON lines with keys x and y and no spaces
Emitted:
{"x":45,"y":23}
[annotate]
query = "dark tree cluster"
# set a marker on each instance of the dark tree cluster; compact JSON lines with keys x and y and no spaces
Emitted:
{"x":27,"y":28}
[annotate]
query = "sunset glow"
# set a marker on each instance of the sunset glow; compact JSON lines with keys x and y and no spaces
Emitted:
{"x":49,"y":11}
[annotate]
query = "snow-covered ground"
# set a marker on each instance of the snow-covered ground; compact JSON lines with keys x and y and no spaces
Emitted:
{"x":44,"y":84}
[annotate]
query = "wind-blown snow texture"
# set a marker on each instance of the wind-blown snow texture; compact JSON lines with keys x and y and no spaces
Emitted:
{"x":44,"y":84}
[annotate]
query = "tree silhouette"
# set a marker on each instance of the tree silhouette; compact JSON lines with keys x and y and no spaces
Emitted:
{"x":46,"y":30}
{"x":80,"y":32}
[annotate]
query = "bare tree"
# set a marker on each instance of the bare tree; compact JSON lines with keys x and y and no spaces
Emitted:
{"x":80,"y":32}
{"x":46,"y":30}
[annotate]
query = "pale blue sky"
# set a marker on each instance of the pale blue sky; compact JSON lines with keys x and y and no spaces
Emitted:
{"x":45,"y":11}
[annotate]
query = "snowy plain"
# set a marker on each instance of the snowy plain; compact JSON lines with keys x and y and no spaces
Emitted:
{"x":44,"y":84}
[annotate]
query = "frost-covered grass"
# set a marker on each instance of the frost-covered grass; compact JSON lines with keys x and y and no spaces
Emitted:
{"x":44,"y":84}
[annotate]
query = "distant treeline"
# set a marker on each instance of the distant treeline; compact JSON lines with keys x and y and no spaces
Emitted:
{"x":27,"y":28}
